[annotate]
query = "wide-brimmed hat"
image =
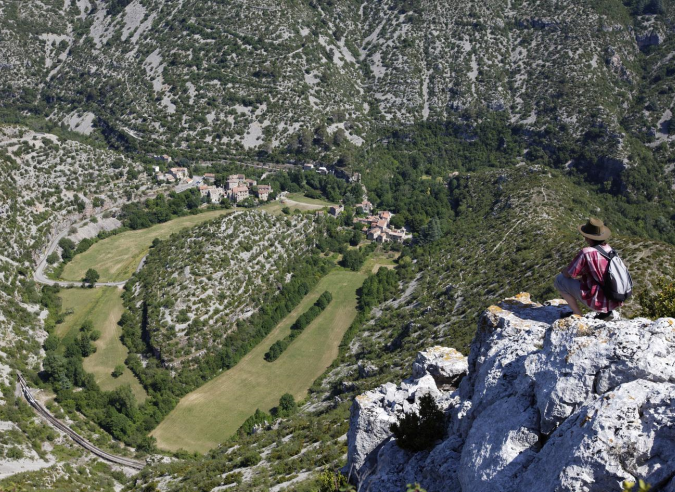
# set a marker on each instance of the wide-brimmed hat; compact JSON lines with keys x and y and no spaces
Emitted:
{"x":595,"y":229}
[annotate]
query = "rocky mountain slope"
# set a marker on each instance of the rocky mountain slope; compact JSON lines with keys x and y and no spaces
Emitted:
{"x":547,"y":404}
{"x":46,"y":183}
{"x":236,"y":77}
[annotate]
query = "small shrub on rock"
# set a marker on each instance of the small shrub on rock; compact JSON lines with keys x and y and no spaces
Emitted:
{"x":419,"y":431}
{"x":660,"y":304}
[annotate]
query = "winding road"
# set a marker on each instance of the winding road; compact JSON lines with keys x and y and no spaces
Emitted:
{"x":39,"y":274}
{"x":41,"y":278}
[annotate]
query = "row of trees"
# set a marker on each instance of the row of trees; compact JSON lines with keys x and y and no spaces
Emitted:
{"x":162,"y":209}
{"x":300,"y":324}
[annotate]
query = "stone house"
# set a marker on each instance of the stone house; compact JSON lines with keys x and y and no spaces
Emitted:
{"x":179,"y":172}
{"x":238,"y":193}
{"x":365,"y":207}
{"x":263,"y":192}
{"x":204,"y":190}
{"x":336,"y":210}
{"x":216,"y":194}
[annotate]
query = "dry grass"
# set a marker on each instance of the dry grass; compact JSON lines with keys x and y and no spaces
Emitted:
{"x":117,"y":257}
{"x":103,"y":306}
{"x":212,"y":413}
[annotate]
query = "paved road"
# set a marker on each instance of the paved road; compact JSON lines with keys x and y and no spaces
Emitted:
{"x":196,"y":181}
{"x":39,"y":274}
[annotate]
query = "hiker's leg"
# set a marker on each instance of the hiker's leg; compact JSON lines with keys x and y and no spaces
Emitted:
{"x":570,"y":290}
{"x":572,"y":303}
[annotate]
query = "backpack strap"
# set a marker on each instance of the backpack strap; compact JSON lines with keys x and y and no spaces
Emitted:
{"x":605,"y":254}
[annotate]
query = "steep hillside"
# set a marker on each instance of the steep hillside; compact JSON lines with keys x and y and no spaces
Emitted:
{"x":197,"y":285}
{"x":46,"y":183}
{"x":588,"y":81}
{"x":513,"y":232}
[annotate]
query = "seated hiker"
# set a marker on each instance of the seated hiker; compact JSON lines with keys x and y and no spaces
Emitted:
{"x":583,"y":279}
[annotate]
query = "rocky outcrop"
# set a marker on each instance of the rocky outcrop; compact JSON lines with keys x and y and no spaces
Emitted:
{"x":548,"y":404}
{"x":446,"y":365}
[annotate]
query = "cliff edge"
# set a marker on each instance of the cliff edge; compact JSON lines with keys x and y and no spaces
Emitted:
{"x":544,"y":404}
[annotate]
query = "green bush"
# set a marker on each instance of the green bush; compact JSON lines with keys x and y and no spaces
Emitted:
{"x":91,"y":277}
{"x":259,"y":417}
{"x":118,"y":371}
{"x":419,"y":431}
{"x":660,"y":304}
{"x":353,"y":259}
{"x":287,"y":406}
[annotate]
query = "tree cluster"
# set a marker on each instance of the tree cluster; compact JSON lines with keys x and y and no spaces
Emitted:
{"x":300,"y":324}
{"x":160,"y":209}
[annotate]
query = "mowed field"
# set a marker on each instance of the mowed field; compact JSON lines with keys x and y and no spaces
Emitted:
{"x":117,"y":257}
{"x":103,"y":306}
{"x":214,"y":412}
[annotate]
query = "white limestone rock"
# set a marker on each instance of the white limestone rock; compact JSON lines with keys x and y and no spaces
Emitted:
{"x":446,"y":365}
{"x":547,"y":405}
{"x":373,"y":413}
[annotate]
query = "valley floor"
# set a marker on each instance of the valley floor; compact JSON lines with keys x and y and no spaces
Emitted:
{"x":103,"y":306}
{"x":214,"y":412}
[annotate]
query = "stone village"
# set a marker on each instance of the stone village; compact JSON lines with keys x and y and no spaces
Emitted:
{"x":238,"y":188}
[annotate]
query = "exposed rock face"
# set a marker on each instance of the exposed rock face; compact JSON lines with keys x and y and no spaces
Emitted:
{"x":548,"y":405}
{"x":445,"y":365}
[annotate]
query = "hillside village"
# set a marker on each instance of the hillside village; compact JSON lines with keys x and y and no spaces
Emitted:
{"x":237,"y":188}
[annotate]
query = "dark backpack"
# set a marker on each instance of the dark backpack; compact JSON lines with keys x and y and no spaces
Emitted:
{"x":617,"y":284}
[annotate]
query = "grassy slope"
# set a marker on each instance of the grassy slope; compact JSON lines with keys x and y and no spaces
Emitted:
{"x":302,"y":203}
{"x":212,"y":413}
{"x":299,"y":197}
{"x":117,"y":257}
{"x":104,"y":308}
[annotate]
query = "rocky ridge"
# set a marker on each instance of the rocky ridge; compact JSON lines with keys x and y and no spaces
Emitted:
{"x":547,"y":404}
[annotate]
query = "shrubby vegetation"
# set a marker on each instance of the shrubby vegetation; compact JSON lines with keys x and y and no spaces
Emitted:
{"x":660,"y":304}
{"x":378,"y":288}
{"x":300,"y":324}
{"x":419,"y":431}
